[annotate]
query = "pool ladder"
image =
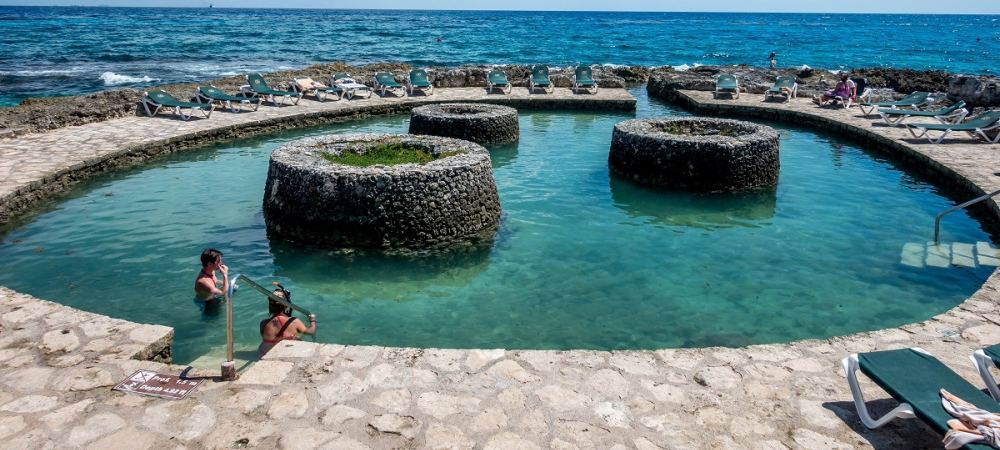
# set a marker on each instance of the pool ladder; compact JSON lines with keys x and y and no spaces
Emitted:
{"x":937,"y":220}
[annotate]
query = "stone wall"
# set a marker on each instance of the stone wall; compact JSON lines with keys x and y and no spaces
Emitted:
{"x":477,"y":122}
{"x":697,"y":154}
{"x":311,"y":201}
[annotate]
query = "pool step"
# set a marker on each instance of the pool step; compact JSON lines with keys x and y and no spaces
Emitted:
{"x":214,"y":358}
{"x":954,"y":254}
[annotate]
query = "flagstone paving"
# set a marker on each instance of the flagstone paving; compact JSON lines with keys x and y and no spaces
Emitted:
{"x":57,"y":366}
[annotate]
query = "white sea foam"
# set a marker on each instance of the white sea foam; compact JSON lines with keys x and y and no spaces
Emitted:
{"x":114,"y":79}
{"x":31,"y":73}
{"x":685,"y":67}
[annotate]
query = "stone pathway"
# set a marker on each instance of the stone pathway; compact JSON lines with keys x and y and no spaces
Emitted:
{"x":38,"y":165}
{"x":57,"y":366}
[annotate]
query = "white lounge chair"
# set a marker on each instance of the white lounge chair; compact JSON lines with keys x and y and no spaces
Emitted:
{"x":350,"y":86}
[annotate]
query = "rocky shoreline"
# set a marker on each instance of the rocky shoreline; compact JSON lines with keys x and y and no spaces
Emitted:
{"x":41,"y":114}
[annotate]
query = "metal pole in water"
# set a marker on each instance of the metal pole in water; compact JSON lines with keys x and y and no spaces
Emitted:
{"x":229,"y":365}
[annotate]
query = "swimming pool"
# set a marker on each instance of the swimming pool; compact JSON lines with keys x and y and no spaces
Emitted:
{"x":582,"y":259}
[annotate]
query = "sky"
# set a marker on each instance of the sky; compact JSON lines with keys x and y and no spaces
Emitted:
{"x":844,"y":6}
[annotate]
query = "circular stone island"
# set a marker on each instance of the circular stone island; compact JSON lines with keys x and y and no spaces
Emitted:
{"x":696,"y":154}
{"x":381,"y":191}
{"x":477,"y":122}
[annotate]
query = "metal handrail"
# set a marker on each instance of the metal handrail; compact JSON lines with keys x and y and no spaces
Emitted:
{"x":229,"y":365}
{"x":937,"y":220}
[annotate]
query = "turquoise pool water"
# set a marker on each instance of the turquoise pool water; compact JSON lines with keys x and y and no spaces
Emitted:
{"x":582,"y":260}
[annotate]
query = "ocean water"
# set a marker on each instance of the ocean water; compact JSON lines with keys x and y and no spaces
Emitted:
{"x":583,"y":259}
{"x":47,"y":51}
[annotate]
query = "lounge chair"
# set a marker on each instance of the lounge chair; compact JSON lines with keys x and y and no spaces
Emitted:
{"x":209,"y":94}
{"x":307,"y":86}
{"x":418,"y":80}
{"x":539,"y":79}
{"x":258,"y":87}
{"x":914,"y":100}
{"x":158,"y":99}
{"x":385,"y":81}
{"x":497,"y":79}
{"x":349,"y":85}
{"x":784,"y":86}
{"x":984,"y":359}
{"x":583,"y":78}
{"x":976,"y":127}
{"x":952,"y":114}
{"x":914,"y":378}
{"x":727,"y":84}
{"x":860,"y":85}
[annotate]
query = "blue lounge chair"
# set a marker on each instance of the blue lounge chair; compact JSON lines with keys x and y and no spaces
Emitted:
{"x":952,"y":114}
{"x":419,"y":80}
{"x":727,"y":84}
{"x":914,"y":100}
{"x":258,"y":87}
{"x":914,"y":378}
{"x":158,"y":99}
{"x":583,"y":79}
{"x":210,"y":94}
{"x":784,"y":86}
{"x":540,"y":79}
{"x":977,"y":128}
{"x":385,"y":81}
{"x":497,"y":79}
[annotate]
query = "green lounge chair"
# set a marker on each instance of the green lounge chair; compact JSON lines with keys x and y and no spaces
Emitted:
{"x":984,"y":359}
{"x":539,"y":79}
{"x":952,"y":114}
{"x":419,"y":80}
{"x":209,"y":94}
{"x":497,"y":79}
{"x":385,"y":81}
{"x":727,"y":84}
{"x":307,"y":86}
{"x":914,"y":378}
{"x":914,"y":100}
{"x":349,"y":85}
{"x":583,"y":78}
{"x":259,"y":88}
{"x":784,"y":86}
{"x":977,"y":128}
{"x":158,"y":99}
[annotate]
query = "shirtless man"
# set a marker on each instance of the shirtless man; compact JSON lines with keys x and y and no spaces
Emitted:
{"x":206,"y":286}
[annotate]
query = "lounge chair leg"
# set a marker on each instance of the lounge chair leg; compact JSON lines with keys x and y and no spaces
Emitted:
{"x":983,"y":364}
{"x":903,"y":411}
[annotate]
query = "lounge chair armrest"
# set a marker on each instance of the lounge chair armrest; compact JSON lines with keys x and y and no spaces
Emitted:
{"x":902,"y":411}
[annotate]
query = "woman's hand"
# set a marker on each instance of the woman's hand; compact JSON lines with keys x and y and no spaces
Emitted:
{"x":224,"y":269}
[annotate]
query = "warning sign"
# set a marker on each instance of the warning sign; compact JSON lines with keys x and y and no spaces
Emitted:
{"x":155,"y":384}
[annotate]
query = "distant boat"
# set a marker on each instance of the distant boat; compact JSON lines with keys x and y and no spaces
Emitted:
{"x":209,"y":6}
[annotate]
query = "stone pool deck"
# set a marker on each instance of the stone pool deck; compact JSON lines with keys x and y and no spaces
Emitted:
{"x":57,"y":366}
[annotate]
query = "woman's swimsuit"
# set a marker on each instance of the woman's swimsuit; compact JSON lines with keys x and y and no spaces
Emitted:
{"x":267,"y":344}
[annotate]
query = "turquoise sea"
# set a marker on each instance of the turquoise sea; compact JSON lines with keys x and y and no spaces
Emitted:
{"x":47,"y":51}
{"x":582,"y":259}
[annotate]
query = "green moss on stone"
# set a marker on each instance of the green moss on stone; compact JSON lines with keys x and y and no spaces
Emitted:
{"x":385,"y":154}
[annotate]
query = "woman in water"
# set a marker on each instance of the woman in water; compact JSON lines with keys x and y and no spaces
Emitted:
{"x":206,"y":287}
{"x":281,"y":325}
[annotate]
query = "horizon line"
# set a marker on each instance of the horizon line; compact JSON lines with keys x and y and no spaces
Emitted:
{"x":514,"y":10}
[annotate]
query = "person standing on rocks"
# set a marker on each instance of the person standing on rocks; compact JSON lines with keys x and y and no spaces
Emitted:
{"x":772,"y":61}
{"x":207,"y":293}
